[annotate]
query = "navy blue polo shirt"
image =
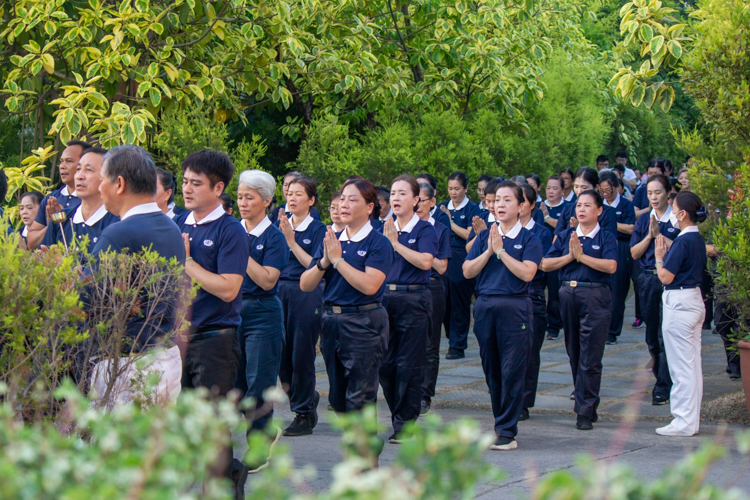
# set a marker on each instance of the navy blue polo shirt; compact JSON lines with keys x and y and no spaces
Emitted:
{"x":496,"y":278}
{"x":686,"y":259}
{"x":603,"y":245}
{"x":444,"y":245}
{"x":640,"y":197}
{"x":573,"y":197}
{"x":274,"y":215}
{"x":76,"y":228}
{"x":64,"y":198}
{"x":268,"y":248}
{"x":175,"y":211}
{"x":219,"y":244}
{"x":607,"y":220}
{"x":537,"y":215}
{"x":648,"y":260}
{"x":462,"y":217}
{"x":546,"y":240}
{"x":309,"y":235}
{"x":417,"y":235}
{"x":367,"y":248}
{"x":139,"y":230}
{"x":554,"y":213}
{"x":625,"y":213}
{"x":488,"y":218}
{"x":441,"y":217}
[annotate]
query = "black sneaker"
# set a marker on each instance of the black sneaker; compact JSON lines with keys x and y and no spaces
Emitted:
{"x":314,"y":414}
{"x":552,"y":335}
{"x":455,"y":353}
{"x":394,"y":439}
{"x":524,"y":415}
{"x":658,"y":399}
{"x":503,"y":443}
{"x":594,"y":417}
{"x":706,"y":325}
{"x":583,"y":423}
{"x":425,"y":408}
{"x":301,"y":426}
{"x":611,"y":339}
{"x":239,"y":478}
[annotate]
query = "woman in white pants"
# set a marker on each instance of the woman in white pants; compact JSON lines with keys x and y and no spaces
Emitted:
{"x":680,"y":269}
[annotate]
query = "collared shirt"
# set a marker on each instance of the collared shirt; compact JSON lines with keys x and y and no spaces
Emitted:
{"x":269,"y":249}
{"x":214,"y":215}
{"x":607,"y":219}
{"x":308,"y":235}
{"x":64,"y":198}
{"x":571,"y":198}
{"x":75,"y":228}
{"x":441,"y":217}
{"x":488,"y":218}
{"x":592,"y":234}
{"x":417,"y":235}
{"x":598,"y":244}
{"x":554,"y":213}
{"x":143,"y":208}
{"x":25,"y":231}
{"x":686,"y":259}
{"x":462,"y":217}
{"x":170,"y":211}
{"x":625,"y":212}
{"x":444,"y":245}
{"x":389,"y":214}
{"x":545,"y":237}
{"x":614,"y":203}
{"x":641,"y":230}
{"x":640,"y":197}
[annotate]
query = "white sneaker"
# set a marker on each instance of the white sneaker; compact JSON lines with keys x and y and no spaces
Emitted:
{"x":668,"y":430}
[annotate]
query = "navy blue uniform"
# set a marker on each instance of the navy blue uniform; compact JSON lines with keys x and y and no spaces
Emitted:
{"x":607,"y":219}
{"x":640,"y":197}
{"x":274,"y":215}
{"x":64,"y":197}
{"x":554,"y":320}
{"x":461,"y":289}
{"x":408,"y":302}
{"x":621,"y":279}
{"x":355,"y":325}
{"x":302,"y":319}
{"x":585,"y":304}
{"x":76,"y":229}
{"x":146,"y":227}
{"x":650,"y":290}
{"x":686,"y":259}
{"x":261,"y":334}
{"x":503,"y":319}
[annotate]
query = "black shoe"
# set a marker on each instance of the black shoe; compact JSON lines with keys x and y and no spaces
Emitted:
{"x":658,"y":399}
{"x":594,"y":418}
{"x":300,"y":426}
{"x":314,"y":414}
{"x":503,"y":443}
{"x":239,"y":478}
{"x":707,"y":325}
{"x":611,"y":339}
{"x":551,"y":335}
{"x":524,"y":415}
{"x":735,"y":376}
{"x":455,"y":353}
{"x":393,"y":439}
{"x":583,"y":423}
{"x":425,"y":408}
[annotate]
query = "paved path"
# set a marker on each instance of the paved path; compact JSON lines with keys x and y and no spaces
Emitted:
{"x":549,"y":441}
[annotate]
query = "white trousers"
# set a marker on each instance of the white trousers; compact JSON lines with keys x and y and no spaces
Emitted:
{"x":134,"y":372}
{"x":683,"y":315}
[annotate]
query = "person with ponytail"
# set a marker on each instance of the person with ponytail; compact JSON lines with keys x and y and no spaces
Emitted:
{"x":680,"y":269}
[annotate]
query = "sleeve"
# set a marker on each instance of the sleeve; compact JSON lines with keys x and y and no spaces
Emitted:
{"x":314,"y":213}
{"x":103,"y":244}
{"x":317,"y":237}
{"x":639,"y":232}
{"x":445,"y":251}
{"x":640,"y":200}
{"x":380,"y":256}
{"x":472,"y":234}
{"x":479,"y":246}
{"x":558,"y":247}
{"x":50,"y":235}
{"x":234,"y":250}
{"x":676,"y":256}
{"x":317,"y":255}
{"x":41,"y":213}
{"x":629,"y":214}
{"x":609,"y":221}
{"x":629,"y":174}
{"x":538,"y":217}
{"x":428,"y":240}
{"x":546,"y":238}
{"x":563,"y":222}
{"x":609,"y":251}
{"x":532,"y":250}
{"x":472,"y":210}
{"x":278,"y":255}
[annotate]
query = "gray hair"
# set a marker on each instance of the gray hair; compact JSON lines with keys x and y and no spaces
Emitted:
{"x":134,"y":165}
{"x":261,"y":181}
{"x":427,"y":188}
{"x":518,"y":179}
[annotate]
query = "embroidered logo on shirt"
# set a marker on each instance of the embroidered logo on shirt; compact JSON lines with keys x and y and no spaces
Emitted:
{"x":208,"y":243}
{"x":361,"y":253}
{"x":95,"y":239}
{"x":670,"y":229}
{"x":306,"y":241}
{"x":259,"y":247}
{"x":463,"y":217}
{"x":595,"y":247}
{"x":518,"y":247}
{"x":618,"y":213}
{"x":412,"y":241}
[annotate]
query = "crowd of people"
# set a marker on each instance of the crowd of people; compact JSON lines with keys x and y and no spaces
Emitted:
{"x":392,"y":271}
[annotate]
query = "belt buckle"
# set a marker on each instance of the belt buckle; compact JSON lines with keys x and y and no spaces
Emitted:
{"x":336,"y":309}
{"x":573,"y":284}
{"x":392,"y":288}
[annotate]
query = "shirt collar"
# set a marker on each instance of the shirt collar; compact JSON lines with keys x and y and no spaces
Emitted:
{"x":570,"y":196}
{"x":64,"y":191}
{"x":361,"y":235}
{"x":431,"y":221}
{"x":409,"y":225}
{"x":689,"y":229}
{"x":538,"y":198}
{"x":259,"y":229}
{"x":615,"y":203}
{"x":562,"y":200}
{"x":593,"y":233}
{"x":665,"y":217}
{"x":530,"y":225}
{"x":25,"y":231}
{"x":216,"y":214}
{"x":382,"y":219}
{"x":513,"y":233}
{"x":144,"y":208}
{"x":491,"y":217}
{"x":96,"y":217}
{"x":304,"y":224}
{"x":451,"y":206}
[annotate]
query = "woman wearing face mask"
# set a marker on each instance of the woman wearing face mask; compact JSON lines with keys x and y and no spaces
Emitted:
{"x":504,"y":260}
{"x":437,"y":291}
{"x":461,"y":212}
{"x":408,"y":302}
{"x":680,"y":269}
{"x":625,"y":212}
{"x":648,"y":227}
{"x":538,"y":301}
{"x":586,"y":256}
{"x":302,"y":311}
{"x":355,"y":323}
{"x":479,"y":223}
{"x":586,"y":178}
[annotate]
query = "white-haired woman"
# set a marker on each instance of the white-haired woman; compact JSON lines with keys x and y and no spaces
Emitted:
{"x":261,"y":333}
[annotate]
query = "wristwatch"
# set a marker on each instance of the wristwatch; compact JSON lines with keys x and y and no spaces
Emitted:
{"x":321,"y":268}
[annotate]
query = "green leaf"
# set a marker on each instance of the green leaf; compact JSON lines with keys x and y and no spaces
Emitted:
{"x":50,"y":28}
{"x":197,"y":91}
{"x":639,"y":93}
{"x":674,"y":48}
{"x":666,"y":98}
{"x":648,"y":96}
{"x":155,"y":96}
{"x":36,"y":67}
{"x":656,"y":44}
{"x":646,"y":33}
{"x":139,"y":126}
{"x":218,"y":84}
{"x":49,"y":63}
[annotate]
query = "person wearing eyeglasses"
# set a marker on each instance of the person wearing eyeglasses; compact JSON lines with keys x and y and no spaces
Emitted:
{"x":333,"y":209}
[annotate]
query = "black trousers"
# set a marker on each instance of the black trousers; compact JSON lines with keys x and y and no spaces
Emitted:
{"x":707,"y":290}
{"x":437,"y":291}
{"x":725,"y":325}
{"x":461,"y":291}
{"x":586,"y":314}
{"x":620,"y":286}
{"x":503,"y":326}
{"x":650,"y":289}
{"x":354,"y":346}
{"x":402,"y":372}
{"x":554,"y":321}
{"x":446,"y":319}
{"x":635,"y":272}
{"x":302,"y":320}
{"x":539,"y":327}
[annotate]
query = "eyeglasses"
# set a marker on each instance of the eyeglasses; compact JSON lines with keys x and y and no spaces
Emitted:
{"x":333,"y":209}
{"x":606,"y":191}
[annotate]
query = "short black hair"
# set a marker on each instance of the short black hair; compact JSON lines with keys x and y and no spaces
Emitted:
{"x":492,"y":186}
{"x":602,"y":158}
{"x":619,"y":168}
{"x":85,"y":146}
{"x":96,"y":150}
{"x":609,"y":178}
{"x":622,"y":154}
{"x":168,"y":181}
{"x":656,"y":163}
{"x":216,"y":165}
{"x":430,"y":178}
{"x":598,"y":200}
{"x":226,"y":201}
{"x":3,"y":186}
{"x":384,"y":193}
{"x":536,"y":178}
{"x":134,"y":164}
{"x":460,"y":177}
{"x":484,"y":178}
{"x":35,"y":195}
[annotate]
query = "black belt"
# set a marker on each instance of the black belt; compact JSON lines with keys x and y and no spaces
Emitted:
{"x":649,"y":270}
{"x":667,"y":288}
{"x":352,"y":309}
{"x":405,"y":288}
{"x":584,"y":284}
{"x":434,"y":279}
{"x":189,"y":337}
